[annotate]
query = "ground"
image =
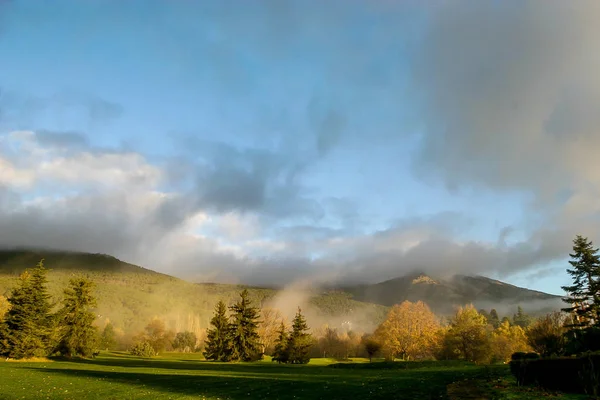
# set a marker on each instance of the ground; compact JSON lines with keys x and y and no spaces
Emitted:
{"x":184,"y":376}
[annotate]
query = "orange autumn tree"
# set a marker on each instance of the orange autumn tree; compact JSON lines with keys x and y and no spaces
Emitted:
{"x":409,"y":331}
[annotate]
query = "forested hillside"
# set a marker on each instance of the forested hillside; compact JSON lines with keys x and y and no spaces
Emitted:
{"x":129,"y":296}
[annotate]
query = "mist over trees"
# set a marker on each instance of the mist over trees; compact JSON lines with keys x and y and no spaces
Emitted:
{"x":108,"y":338}
{"x":31,"y":325}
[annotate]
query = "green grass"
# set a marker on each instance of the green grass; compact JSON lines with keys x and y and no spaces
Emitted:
{"x":119,"y":376}
{"x":185,"y":376}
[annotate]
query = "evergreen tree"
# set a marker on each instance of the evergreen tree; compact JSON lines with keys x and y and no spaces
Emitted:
{"x":584,"y":293}
{"x":243,"y":330}
{"x":300,"y":341}
{"x":217,"y":338}
{"x":27,"y":330}
{"x":108,"y":340}
{"x":280,"y":353}
{"x":493,"y":318}
{"x":521,"y":318}
{"x":78,"y":334}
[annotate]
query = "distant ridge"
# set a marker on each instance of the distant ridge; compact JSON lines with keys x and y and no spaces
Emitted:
{"x":443,"y":295}
{"x":130,"y":295}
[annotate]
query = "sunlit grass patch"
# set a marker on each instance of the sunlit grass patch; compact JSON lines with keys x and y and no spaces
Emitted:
{"x":28,"y":360}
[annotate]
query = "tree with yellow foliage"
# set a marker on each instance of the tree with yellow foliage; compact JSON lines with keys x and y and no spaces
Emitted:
{"x":467,"y":337}
{"x":268,"y":328}
{"x":506,"y":340}
{"x":4,"y":307}
{"x":408,"y":332}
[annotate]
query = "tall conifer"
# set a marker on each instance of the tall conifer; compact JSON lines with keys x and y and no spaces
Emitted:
{"x":217,"y":339}
{"x":300,"y":341}
{"x":78,"y":335}
{"x":584,"y":293}
{"x":243,"y":329}
{"x":280,"y":352}
{"x":27,"y":330}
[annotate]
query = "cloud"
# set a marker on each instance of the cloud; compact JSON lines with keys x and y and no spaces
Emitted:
{"x":42,"y":158}
{"x":227,"y":178}
{"x":509,"y":95}
{"x":112,"y":203}
{"x":500,"y":97}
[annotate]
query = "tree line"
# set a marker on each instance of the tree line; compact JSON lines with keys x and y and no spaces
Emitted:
{"x":236,"y":337}
{"x":30,"y":329}
{"x":412,"y":331}
{"x":31,"y":325}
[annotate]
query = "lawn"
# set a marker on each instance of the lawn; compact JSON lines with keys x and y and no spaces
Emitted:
{"x":178,"y":376}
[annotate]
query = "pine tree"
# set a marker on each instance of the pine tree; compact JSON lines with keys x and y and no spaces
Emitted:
{"x":78,"y":335}
{"x":493,"y":319}
{"x":280,"y":353}
{"x":217,"y":338}
{"x":584,"y":293}
{"x":27,"y":330}
{"x":521,"y":318}
{"x":300,"y":341}
{"x":107,"y":339}
{"x":243,"y":330}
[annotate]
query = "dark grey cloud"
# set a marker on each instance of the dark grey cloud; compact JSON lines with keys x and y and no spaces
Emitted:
{"x":228,"y":178}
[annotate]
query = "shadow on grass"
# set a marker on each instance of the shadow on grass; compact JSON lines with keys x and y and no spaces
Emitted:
{"x":192,"y":365}
{"x":383,"y":365}
{"x":227,"y":381}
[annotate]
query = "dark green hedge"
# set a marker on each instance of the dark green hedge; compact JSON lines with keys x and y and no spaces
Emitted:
{"x":565,"y":374}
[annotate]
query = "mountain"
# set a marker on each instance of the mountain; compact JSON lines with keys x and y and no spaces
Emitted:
{"x":443,"y":295}
{"x":129,"y":296}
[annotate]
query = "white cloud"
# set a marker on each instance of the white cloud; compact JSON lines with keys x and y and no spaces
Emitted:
{"x":14,"y":177}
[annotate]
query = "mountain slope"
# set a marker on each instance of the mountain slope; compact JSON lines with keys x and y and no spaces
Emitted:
{"x":443,"y":295}
{"x":129,"y":295}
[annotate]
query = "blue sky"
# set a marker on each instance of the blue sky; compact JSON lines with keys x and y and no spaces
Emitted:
{"x":272,"y":141}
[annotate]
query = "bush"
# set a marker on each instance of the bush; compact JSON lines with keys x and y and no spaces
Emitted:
{"x":566,"y":374}
{"x":143,"y":349}
{"x":520,"y":355}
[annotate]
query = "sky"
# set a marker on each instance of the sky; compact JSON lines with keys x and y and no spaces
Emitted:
{"x":272,"y":141}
